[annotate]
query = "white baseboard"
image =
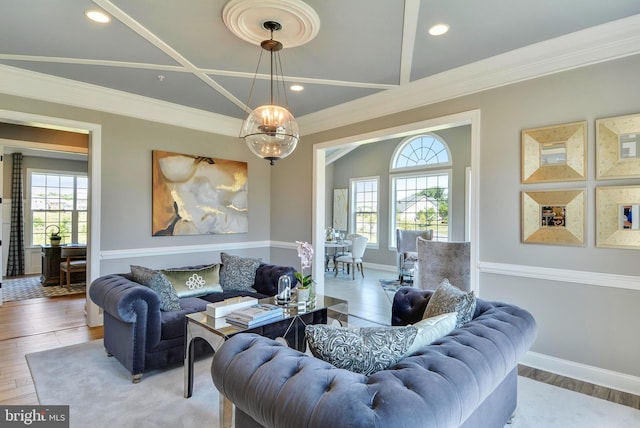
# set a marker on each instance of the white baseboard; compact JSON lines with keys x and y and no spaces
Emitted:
{"x":583,"y":372}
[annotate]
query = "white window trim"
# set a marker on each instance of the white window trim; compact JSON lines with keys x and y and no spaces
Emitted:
{"x":392,"y":192}
{"x":352,"y":204}
{"x":28,"y":217}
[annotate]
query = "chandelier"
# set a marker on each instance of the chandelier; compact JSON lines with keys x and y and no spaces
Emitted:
{"x":271,"y":131}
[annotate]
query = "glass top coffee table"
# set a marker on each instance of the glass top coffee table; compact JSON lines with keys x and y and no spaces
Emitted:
{"x":215,"y":331}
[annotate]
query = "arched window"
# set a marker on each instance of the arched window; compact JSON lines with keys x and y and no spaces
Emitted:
{"x":420,"y":186}
{"x":421,"y":150}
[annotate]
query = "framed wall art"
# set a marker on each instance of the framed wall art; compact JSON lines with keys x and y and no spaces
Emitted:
{"x":618,"y":147}
{"x":197,"y":195}
{"x":554,"y":153}
{"x":618,"y":217}
{"x":554,"y":217}
{"x":340,"y":208}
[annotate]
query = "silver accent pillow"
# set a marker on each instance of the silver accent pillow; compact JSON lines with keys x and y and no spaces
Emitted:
{"x":448,"y":298}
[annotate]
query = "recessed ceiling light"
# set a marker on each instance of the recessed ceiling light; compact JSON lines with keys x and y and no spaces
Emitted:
{"x":438,"y":29}
{"x":296,"y":88}
{"x":98,"y":16}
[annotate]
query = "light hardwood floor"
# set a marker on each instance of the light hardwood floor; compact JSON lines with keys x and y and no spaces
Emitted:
{"x":36,"y":325}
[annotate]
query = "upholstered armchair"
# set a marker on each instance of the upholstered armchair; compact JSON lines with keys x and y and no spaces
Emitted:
{"x":440,"y":260}
{"x":407,"y":251}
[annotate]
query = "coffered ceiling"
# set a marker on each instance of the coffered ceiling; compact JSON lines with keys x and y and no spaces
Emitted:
{"x":182,"y":52}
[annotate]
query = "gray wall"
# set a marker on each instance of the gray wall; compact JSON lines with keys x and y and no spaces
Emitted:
{"x":574,"y":319}
{"x":373,"y":160}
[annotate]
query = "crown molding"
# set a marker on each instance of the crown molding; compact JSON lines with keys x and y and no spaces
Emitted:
{"x":29,"y":84}
{"x":593,"y":45}
{"x":606,"y":42}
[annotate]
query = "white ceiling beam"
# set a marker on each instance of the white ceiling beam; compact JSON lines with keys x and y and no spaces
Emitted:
{"x":409,"y":33}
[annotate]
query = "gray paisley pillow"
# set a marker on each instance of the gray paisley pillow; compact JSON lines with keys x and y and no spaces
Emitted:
{"x":238,"y":273}
{"x":362,"y":350}
{"x":448,"y":298}
{"x":142,"y":275}
{"x":169,"y":300}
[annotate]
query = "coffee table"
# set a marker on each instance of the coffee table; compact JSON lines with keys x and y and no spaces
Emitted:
{"x":215,"y":331}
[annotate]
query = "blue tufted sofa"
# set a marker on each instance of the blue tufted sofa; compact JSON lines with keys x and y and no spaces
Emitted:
{"x":141,"y":336}
{"x":468,"y":378}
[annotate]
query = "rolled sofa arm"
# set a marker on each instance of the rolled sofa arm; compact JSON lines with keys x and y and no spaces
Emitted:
{"x":121,"y":298}
{"x":267,"y":276}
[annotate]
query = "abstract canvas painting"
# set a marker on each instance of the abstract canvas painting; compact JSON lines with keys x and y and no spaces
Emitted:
{"x":197,"y":195}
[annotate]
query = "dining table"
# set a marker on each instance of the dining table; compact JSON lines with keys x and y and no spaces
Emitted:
{"x":332,"y":249}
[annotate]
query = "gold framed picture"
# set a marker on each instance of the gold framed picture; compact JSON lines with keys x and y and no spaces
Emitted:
{"x":554,"y":217}
{"x":618,"y":217}
{"x":555,"y":153}
{"x":618,"y":147}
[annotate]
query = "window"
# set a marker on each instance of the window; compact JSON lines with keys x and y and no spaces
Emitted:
{"x":364,"y":208}
{"x":58,"y":200}
{"x":421,"y":203}
{"x":421,"y":150}
{"x":420,"y":186}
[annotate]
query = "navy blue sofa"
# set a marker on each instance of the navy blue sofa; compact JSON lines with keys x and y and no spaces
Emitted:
{"x":467,"y":378}
{"x":141,"y":336}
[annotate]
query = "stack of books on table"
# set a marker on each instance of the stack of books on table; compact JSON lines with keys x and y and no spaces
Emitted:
{"x":255,"y":315}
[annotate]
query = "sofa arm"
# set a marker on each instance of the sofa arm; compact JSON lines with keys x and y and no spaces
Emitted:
{"x":267,"y":275}
{"x":120,"y":297}
{"x":409,"y":304}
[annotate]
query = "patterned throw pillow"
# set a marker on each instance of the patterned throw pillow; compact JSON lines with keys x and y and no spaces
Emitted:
{"x":448,"y":298}
{"x":169,"y":300}
{"x":194,"y":282}
{"x":142,"y":275}
{"x":362,"y":350}
{"x":432,"y":329}
{"x":238,"y":273}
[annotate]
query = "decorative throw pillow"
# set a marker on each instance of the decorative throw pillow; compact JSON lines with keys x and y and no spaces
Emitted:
{"x":238,"y":273}
{"x":448,"y":298}
{"x":194,"y":282}
{"x":432,"y":329}
{"x":362,"y":350}
{"x":142,"y":275}
{"x":410,"y":256}
{"x":169,"y":300}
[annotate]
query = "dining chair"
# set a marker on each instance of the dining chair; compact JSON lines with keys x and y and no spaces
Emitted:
{"x":74,"y":260}
{"x":353,"y":261}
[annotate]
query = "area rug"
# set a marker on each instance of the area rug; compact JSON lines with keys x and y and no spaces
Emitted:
{"x":390,"y":286}
{"x":100,"y":394}
{"x":30,"y":288}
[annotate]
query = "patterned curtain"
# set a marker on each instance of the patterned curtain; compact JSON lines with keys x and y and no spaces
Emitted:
{"x":15,"y":264}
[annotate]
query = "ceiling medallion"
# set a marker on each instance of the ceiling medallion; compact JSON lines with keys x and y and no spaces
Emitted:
{"x":245,"y":18}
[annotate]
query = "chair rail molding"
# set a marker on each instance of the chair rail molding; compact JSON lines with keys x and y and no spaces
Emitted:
{"x":600,"y":279}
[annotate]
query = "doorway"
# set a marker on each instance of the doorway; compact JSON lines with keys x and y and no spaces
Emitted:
{"x":93,"y":316}
{"x":329,"y":148}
